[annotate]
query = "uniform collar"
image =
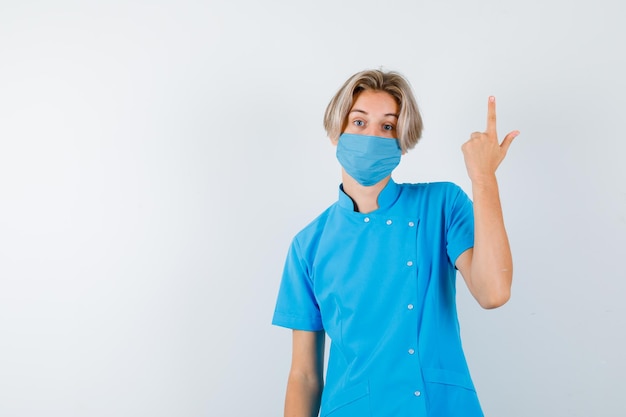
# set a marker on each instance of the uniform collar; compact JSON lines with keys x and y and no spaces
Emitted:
{"x":386,"y":198}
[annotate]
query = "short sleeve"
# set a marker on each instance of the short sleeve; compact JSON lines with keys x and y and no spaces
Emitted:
{"x":460,"y":225}
{"x":296,"y":306}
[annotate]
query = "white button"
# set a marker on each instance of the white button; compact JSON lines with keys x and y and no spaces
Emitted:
{"x":411,"y":224}
{"x":410,"y":263}
{"x":410,"y":306}
{"x":366,"y":220}
{"x":411,"y":351}
{"x":417,"y":393}
{"x":389,"y":222}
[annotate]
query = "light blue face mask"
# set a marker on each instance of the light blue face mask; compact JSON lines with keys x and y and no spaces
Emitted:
{"x":368,"y":159}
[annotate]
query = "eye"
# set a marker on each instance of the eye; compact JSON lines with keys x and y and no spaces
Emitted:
{"x":359,"y":123}
{"x":388,"y":127}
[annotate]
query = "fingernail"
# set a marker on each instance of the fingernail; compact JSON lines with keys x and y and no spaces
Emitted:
{"x":492,"y":98}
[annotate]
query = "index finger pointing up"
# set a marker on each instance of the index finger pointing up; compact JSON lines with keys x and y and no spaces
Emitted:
{"x":491,"y":115}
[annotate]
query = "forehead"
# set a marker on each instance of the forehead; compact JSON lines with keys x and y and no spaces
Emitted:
{"x":375,"y":101}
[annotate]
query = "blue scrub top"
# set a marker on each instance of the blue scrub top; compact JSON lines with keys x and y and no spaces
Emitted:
{"x":382,"y":286}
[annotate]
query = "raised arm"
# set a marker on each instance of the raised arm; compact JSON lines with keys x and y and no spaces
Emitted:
{"x":488,"y":267}
{"x":306,"y":381}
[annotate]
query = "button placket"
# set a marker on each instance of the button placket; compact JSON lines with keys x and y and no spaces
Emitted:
{"x":410,"y":306}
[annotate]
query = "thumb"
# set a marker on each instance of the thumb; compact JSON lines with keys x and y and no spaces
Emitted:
{"x":508,"y":139}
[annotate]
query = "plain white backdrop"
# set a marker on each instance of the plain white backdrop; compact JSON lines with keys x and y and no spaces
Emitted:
{"x":156,"y":158}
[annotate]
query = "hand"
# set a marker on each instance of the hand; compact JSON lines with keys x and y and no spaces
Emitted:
{"x":483,"y":153}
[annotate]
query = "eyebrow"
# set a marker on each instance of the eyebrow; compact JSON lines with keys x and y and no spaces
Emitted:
{"x":364,"y":112}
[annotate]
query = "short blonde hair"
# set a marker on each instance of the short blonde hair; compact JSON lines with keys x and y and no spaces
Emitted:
{"x":409,"y":119}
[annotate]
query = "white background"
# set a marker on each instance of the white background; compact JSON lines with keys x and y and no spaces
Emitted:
{"x":156,"y":158}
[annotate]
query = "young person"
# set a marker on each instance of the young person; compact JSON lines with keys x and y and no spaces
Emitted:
{"x":376,"y":271}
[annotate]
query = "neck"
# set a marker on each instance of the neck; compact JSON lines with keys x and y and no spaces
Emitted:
{"x":365,"y":198}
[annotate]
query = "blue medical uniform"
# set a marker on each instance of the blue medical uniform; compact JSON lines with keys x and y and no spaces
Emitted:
{"x":382,"y":286}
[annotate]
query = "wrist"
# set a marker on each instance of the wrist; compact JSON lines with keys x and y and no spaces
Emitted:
{"x":484,"y":180}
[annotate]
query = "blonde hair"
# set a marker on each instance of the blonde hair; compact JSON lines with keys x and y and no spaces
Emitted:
{"x":409,"y":119}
